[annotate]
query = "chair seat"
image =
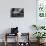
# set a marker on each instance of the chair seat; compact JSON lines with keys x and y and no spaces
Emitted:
{"x":9,"y":34}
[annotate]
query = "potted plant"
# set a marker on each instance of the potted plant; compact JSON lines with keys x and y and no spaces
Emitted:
{"x":39,"y":35}
{"x":35,"y":26}
{"x":42,"y":27}
{"x":38,"y":27}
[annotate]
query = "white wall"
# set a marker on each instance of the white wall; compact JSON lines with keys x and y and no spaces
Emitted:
{"x":23,"y":23}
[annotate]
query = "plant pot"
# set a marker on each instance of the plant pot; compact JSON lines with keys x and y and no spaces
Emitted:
{"x":40,"y":41}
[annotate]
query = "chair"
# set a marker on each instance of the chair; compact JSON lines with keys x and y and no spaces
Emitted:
{"x":7,"y":35}
{"x":14,"y":32}
{"x":25,"y":43}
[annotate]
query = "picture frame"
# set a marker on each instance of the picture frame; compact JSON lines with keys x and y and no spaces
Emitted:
{"x":17,"y":12}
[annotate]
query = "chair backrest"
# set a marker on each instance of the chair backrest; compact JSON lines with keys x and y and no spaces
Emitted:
{"x":14,"y":30}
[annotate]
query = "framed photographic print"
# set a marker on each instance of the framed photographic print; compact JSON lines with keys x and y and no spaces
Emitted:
{"x":17,"y":12}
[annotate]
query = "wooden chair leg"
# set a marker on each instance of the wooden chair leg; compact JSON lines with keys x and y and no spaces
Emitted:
{"x":5,"y":43}
{"x":5,"y":39}
{"x":17,"y":39}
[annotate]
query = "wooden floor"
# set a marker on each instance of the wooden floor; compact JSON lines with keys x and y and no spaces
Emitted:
{"x":13,"y":44}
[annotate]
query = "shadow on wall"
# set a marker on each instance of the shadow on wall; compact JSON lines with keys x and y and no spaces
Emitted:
{"x":7,"y":30}
{"x":32,"y":30}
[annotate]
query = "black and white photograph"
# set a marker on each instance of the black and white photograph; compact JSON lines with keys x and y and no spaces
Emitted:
{"x":17,"y":12}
